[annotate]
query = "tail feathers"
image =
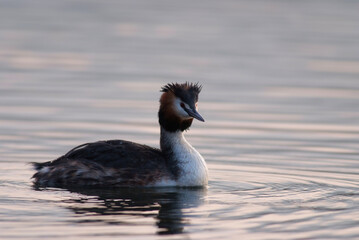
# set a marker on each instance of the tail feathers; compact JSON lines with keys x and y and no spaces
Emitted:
{"x":39,"y":166}
{"x":66,"y":172}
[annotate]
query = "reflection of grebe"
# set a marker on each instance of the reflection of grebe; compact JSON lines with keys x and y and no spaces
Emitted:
{"x":169,"y":207}
{"x":124,"y":163}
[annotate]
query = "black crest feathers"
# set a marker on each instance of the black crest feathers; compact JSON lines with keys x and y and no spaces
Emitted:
{"x":175,"y":87}
{"x":184,"y":91}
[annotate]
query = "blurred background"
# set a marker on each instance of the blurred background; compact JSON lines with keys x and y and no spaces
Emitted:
{"x":280,"y":98}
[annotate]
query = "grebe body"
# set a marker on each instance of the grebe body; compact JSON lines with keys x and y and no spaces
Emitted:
{"x":120,"y":163}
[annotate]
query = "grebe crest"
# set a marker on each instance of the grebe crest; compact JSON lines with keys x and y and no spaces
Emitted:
{"x":117,"y":163}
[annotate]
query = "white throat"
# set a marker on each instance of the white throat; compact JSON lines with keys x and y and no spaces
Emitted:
{"x":192,"y":169}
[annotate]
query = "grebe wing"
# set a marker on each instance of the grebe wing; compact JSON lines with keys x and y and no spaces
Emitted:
{"x":118,"y":154}
{"x":104,"y":163}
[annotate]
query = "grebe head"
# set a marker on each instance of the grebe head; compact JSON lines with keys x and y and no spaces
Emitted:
{"x":178,"y":106}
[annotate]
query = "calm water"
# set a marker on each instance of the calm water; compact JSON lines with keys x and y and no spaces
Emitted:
{"x":280,"y":96}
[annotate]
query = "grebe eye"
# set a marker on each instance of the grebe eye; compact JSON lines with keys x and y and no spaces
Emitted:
{"x":182,"y":105}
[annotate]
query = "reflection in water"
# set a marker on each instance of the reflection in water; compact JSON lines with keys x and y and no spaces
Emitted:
{"x":116,"y":206}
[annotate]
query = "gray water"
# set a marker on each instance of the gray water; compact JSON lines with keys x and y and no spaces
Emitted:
{"x":280,"y":98}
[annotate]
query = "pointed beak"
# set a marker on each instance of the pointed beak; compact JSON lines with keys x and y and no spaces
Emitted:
{"x":193,"y":113}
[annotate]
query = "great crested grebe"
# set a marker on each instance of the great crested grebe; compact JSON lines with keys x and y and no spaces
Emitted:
{"x":117,"y":163}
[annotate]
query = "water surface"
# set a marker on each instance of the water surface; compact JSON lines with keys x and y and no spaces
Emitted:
{"x":280,"y":98}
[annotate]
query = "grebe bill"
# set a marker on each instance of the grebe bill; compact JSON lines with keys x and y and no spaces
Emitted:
{"x":120,"y":163}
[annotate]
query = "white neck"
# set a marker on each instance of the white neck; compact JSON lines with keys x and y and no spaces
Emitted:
{"x":189,"y":166}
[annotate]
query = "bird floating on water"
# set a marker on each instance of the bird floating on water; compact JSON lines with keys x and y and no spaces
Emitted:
{"x":120,"y":163}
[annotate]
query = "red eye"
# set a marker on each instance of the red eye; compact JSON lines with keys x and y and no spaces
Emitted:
{"x":182,"y":105}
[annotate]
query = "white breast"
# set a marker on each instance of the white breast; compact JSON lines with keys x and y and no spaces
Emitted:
{"x":193,"y":169}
